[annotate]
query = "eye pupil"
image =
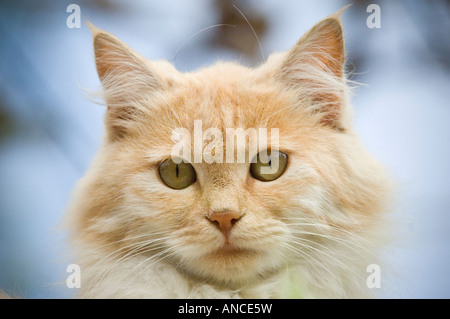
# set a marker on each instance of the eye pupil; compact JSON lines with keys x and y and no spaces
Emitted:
{"x":269,"y":169}
{"x":177,"y":170}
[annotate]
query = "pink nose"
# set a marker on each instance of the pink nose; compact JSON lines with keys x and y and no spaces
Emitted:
{"x":225,"y":220}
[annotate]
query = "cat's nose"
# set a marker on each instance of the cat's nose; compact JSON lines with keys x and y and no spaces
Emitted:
{"x":225,"y":220}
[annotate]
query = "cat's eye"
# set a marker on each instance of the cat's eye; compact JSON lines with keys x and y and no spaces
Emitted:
{"x":268,"y":165}
{"x":177,"y":175}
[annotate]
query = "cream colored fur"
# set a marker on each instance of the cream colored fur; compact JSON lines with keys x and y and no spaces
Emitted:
{"x":318,"y":226}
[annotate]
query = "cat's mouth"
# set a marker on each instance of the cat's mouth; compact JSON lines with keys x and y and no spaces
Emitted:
{"x":229,"y":249}
{"x":233,"y":251}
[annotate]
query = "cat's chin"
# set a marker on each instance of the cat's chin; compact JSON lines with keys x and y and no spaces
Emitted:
{"x":233,"y":252}
{"x":231,"y":266}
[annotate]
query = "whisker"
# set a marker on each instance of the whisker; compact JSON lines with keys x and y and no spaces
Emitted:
{"x":334,"y":258}
{"x":131,"y":238}
{"x":129,"y":255}
{"x":196,"y":33}
{"x":318,"y":223}
{"x":133,"y":243}
{"x":308,"y":258}
{"x":134,"y":247}
{"x":163,"y":252}
{"x":346,"y":243}
{"x":253,"y":30}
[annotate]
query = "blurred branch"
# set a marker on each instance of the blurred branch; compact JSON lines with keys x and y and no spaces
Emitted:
{"x":7,"y":122}
{"x":250,"y":27}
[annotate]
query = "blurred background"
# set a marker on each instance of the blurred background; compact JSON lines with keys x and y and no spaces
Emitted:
{"x":50,"y":130}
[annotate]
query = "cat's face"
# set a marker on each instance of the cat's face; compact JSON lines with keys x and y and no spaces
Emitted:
{"x":226,"y":225}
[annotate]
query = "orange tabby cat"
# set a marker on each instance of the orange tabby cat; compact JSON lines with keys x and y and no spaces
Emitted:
{"x":147,"y":226}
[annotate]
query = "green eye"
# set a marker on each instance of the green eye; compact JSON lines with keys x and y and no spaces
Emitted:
{"x":268,"y":165}
{"x":177,"y":176}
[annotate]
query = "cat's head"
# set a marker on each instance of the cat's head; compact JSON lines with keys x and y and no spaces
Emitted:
{"x":225,"y":221}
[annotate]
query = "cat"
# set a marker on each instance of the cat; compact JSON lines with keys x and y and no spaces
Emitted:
{"x":143,"y":225}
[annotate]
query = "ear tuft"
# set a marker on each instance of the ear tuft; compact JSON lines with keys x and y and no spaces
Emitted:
{"x":114,"y":58}
{"x":92,"y":27}
{"x":322,"y":46}
{"x":315,"y":68}
{"x":127,"y":79}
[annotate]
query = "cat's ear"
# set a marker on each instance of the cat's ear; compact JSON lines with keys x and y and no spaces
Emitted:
{"x":126,"y":77}
{"x":315,"y":67}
